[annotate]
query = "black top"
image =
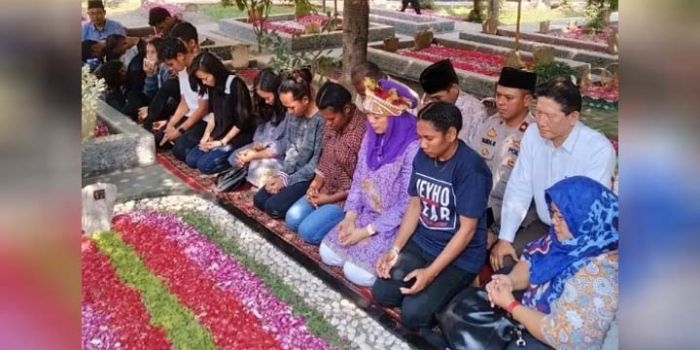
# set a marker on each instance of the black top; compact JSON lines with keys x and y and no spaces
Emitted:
{"x":223,"y":105}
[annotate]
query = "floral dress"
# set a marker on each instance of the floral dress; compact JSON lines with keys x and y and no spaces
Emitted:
{"x":379,"y":197}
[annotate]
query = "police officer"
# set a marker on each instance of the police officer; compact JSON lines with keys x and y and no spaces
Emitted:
{"x":497,"y":138}
{"x":440,"y":83}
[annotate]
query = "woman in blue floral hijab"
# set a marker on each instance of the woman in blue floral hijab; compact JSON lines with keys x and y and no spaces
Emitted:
{"x":569,"y":275}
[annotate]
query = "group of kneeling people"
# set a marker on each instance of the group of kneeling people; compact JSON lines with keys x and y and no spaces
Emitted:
{"x":400,"y":203}
{"x":408,"y":195}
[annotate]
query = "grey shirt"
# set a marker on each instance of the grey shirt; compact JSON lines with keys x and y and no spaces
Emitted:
{"x":301,"y":147}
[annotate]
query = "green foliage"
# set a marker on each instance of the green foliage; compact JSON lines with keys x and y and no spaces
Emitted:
{"x":478,"y":12}
{"x":179,"y":323}
{"x":548,"y":71}
{"x":427,"y":4}
{"x":595,"y":13}
{"x":611,"y":4}
{"x":315,"y":321}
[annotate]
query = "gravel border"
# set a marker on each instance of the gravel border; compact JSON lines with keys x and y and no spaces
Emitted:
{"x":350,"y":321}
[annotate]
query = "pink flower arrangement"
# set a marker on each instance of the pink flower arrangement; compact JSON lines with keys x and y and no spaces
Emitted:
{"x":155,"y":263}
{"x":113,"y":315}
{"x":607,"y":92}
{"x":581,"y":33}
{"x":174,"y":9}
{"x":247,"y":74}
{"x":101,"y":129}
{"x":295,"y":26}
{"x":468,"y":60}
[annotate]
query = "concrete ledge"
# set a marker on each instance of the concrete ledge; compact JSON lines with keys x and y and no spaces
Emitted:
{"x":222,"y":51}
{"x":239,"y":29}
{"x":409,"y":24}
{"x":474,"y":83}
{"x":553,"y":40}
{"x":140,"y":31}
{"x":130,"y":146}
{"x":596,"y":59}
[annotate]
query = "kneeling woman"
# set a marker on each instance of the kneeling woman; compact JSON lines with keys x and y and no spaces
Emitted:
{"x":232,"y":125}
{"x":377,"y":197}
{"x":262,"y":156}
{"x":313,"y":215}
{"x":569,"y":275}
{"x":441,"y":244}
{"x":301,"y":146}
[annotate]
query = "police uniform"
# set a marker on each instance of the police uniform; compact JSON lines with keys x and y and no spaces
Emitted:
{"x":499,"y":145}
{"x":440,"y":76}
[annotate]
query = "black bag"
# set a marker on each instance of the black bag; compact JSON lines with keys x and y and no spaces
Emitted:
{"x":231,"y":179}
{"x":469,"y":322}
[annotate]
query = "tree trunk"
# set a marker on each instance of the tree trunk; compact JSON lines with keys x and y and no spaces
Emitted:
{"x":355,"y":33}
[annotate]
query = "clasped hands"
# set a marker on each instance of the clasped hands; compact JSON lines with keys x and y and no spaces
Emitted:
{"x":348,"y":234}
{"x":500,"y":291}
{"x":206,"y":144}
{"x":274,"y":185}
{"x":316,"y":197}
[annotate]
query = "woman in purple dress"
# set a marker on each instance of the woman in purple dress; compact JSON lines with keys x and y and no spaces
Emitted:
{"x":378,"y":197}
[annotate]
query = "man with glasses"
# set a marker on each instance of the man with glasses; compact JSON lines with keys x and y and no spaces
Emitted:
{"x":557,"y":147}
{"x":99,"y":27}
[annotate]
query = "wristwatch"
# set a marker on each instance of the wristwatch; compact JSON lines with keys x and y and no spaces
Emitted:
{"x":181,"y":130}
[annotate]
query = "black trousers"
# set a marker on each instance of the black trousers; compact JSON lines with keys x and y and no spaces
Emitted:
{"x":189,"y":140}
{"x":418,"y":310}
{"x":163,"y":104}
{"x":414,"y":3}
{"x":276,"y":205}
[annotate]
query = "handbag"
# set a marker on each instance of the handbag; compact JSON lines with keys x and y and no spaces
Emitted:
{"x":231,"y":179}
{"x":469,"y":322}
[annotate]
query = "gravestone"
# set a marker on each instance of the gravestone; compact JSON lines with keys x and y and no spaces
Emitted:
{"x":543,"y":54}
{"x":423,"y":39}
{"x":391,"y":44}
{"x":240,"y":55}
{"x":513,"y":60}
{"x":98,"y":207}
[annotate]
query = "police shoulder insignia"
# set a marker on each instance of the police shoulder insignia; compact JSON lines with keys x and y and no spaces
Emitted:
{"x":491,"y":133}
{"x":523,"y":126}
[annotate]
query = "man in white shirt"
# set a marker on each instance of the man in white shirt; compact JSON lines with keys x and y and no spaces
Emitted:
{"x":558,"y":146}
{"x":186,"y":126}
{"x":440,"y":83}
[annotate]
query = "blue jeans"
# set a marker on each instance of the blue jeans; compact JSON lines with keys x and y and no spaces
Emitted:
{"x":311,"y":223}
{"x":211,"y":162}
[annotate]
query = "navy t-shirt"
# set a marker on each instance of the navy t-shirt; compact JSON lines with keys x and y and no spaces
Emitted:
{"x":459,"y":186}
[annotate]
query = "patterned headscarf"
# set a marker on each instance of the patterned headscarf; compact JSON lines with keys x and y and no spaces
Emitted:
{"x":591,"y":212}
{"x":387,"y":97}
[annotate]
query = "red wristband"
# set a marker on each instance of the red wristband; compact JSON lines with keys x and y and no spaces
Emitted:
{"x":513,"y":304}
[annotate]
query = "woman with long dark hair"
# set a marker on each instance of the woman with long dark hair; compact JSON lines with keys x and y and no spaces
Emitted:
{"x":262,"y":156}
{"x":232,"y":125}
{"x":301,"y":146}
